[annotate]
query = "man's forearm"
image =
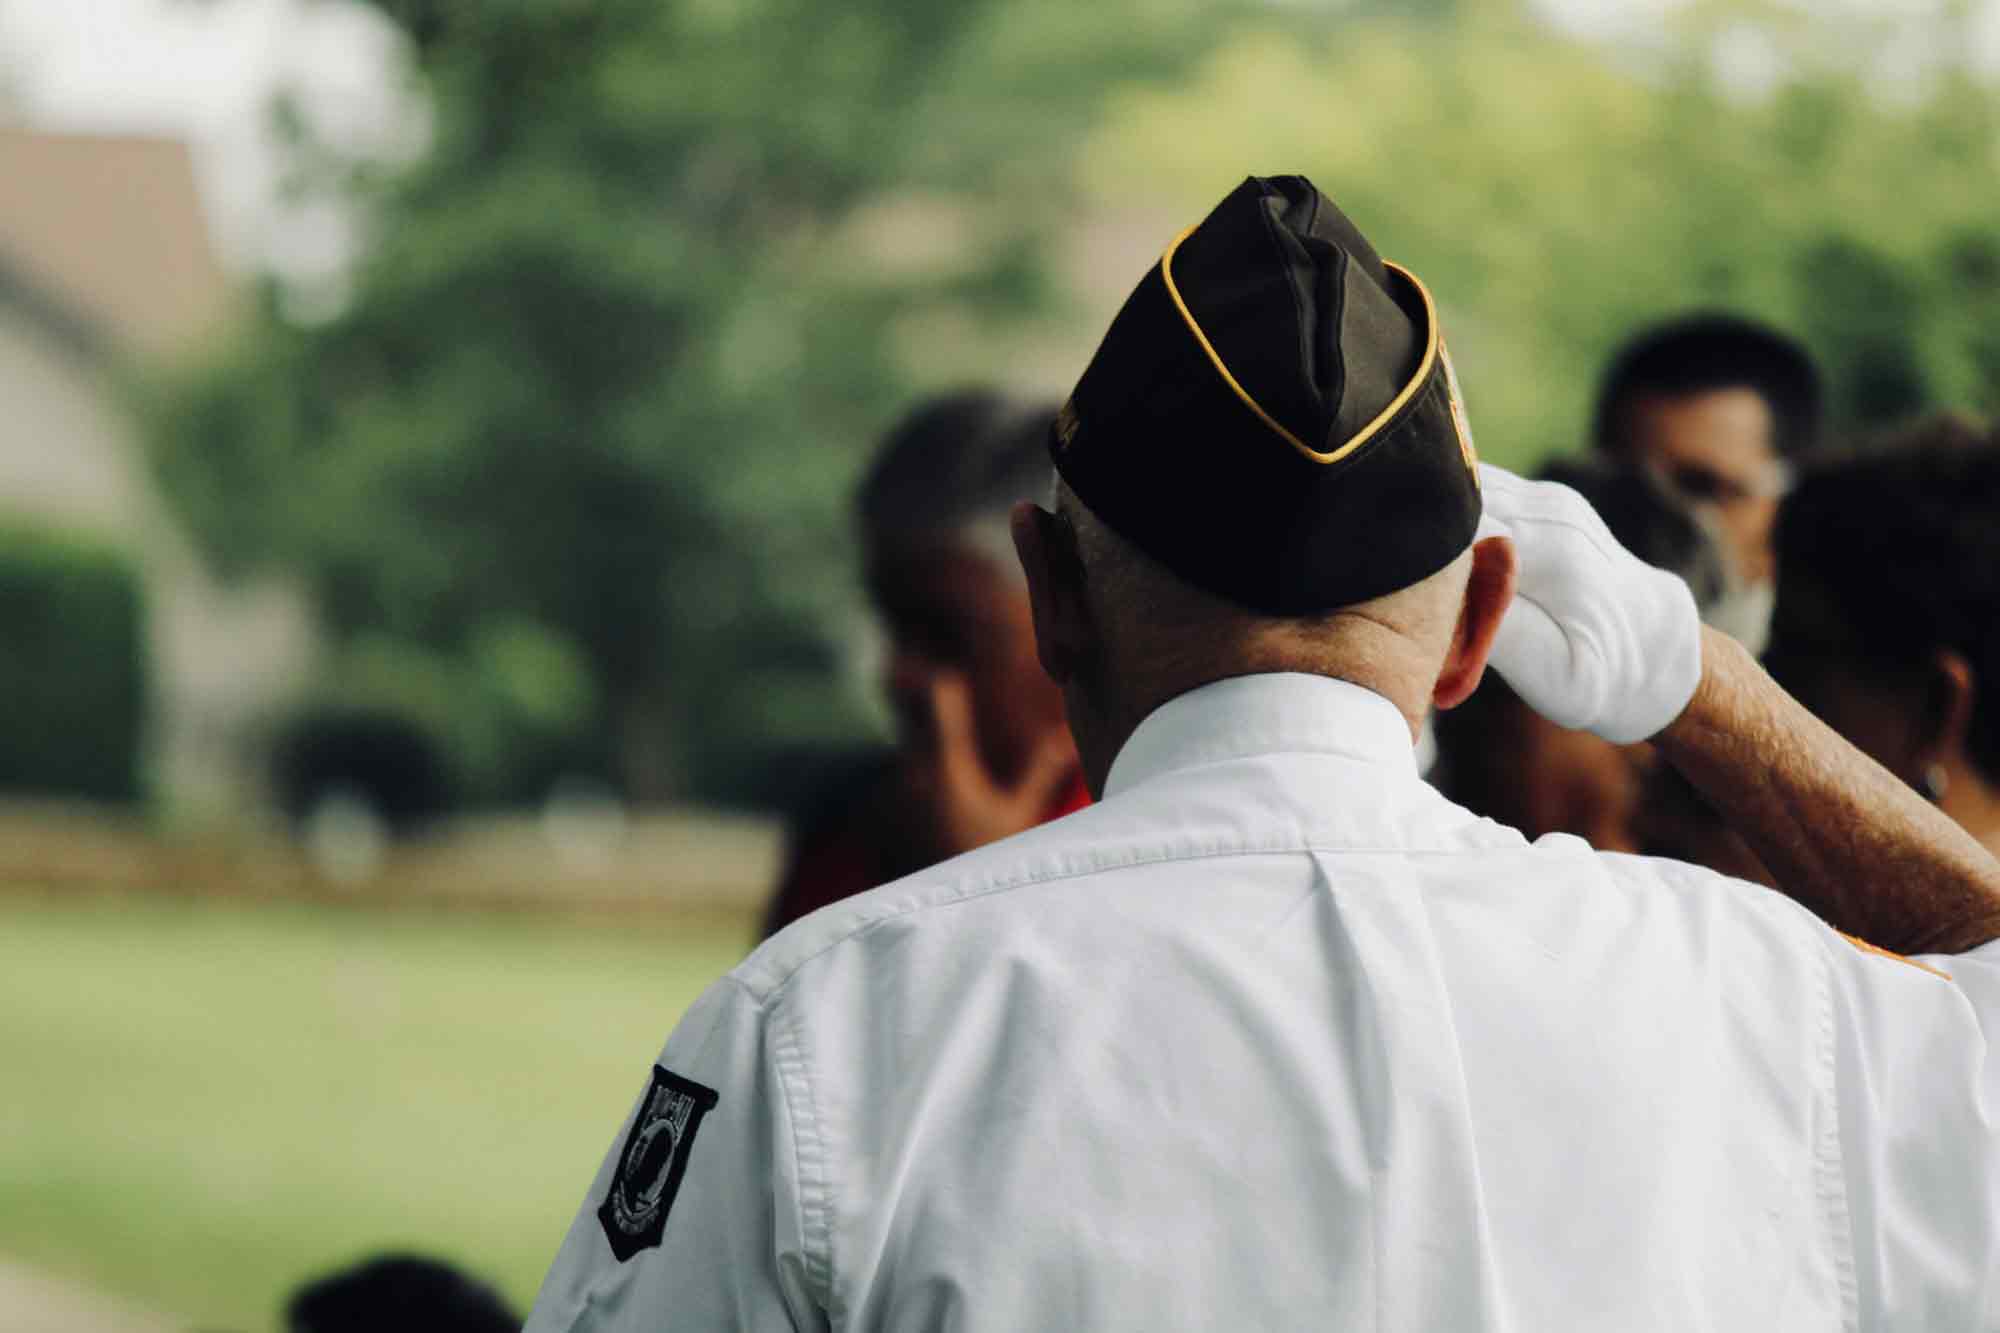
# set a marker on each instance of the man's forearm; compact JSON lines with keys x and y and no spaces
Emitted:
{"x":1839,"y":832}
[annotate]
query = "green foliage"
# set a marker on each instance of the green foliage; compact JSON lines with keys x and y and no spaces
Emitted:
{"x":627,"y":329}
{"x":72,"y":666}
{"x":1557,"y":194}
{"x":626,"y":333}
{"x":509,"y":712}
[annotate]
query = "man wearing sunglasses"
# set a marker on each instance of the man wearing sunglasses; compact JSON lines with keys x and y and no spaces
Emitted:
{"x":1718,"y":409}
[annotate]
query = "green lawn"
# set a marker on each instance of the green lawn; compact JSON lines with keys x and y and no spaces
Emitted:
{"x":200,"y":1105}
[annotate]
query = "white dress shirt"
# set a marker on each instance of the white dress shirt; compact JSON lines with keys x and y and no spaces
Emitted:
{"x":1276,"y":1037}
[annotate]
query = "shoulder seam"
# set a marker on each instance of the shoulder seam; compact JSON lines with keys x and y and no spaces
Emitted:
{"x":750,"y":992}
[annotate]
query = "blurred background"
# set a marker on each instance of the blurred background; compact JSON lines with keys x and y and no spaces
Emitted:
{"x":428,"y":431}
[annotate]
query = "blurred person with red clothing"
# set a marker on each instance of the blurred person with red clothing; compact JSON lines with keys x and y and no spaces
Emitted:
{"x":982,"y":749}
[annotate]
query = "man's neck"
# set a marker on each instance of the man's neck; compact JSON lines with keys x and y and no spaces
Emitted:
{"x":1370,"y":655}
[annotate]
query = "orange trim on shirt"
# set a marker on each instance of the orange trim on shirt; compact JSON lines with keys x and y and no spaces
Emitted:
{"x":1877,"y":949}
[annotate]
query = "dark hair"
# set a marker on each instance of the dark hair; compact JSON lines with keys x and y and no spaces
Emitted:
{"x":1709,"y":351}
{"x":1902,"y":545}
{"x":393,"y":1292}
{"x":1647,"y":521}
{"x":956,"y":459}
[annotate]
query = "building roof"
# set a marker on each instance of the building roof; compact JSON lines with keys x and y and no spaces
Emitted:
{"x":111,"y":226}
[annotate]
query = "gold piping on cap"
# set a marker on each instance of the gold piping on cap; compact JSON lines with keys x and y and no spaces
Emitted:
{"x":1367,"y":432}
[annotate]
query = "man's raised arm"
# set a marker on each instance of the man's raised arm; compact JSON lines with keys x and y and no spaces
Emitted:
{"x":1600,"y":641}
{"x":1841,"y":833}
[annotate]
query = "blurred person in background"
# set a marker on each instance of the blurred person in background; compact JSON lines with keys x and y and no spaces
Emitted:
{"x":1888,"y":615}
{"x":1720,"y":408}
{"x":399,"y":1293}
{"x":982,"y":751}
{"x":1500,"y":758}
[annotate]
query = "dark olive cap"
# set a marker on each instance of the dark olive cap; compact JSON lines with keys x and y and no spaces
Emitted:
{"x":1272,"y":415}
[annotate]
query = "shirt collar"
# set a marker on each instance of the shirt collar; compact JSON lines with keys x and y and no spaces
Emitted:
{"x":1264,"y":714}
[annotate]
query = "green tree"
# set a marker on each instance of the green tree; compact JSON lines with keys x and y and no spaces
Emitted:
{"x":1557,"y":193}
{"x":72,"y":665}
{"x":626,"y":329}
{"x":609,"y":367}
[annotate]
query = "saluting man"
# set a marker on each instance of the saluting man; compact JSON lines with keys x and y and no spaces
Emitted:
{"x":1274,"y":1036}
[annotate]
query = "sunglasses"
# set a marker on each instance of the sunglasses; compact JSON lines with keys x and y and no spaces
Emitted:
{"x":1697,"y":485}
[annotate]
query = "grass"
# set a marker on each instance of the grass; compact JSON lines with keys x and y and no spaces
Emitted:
{"x":202,"y":1104}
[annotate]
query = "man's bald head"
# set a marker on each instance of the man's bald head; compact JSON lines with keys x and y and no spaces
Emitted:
{"x":1158,"y":620}
{"x":1122,"y":634}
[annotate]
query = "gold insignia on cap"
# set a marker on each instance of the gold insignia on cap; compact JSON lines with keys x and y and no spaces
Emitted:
{"x":1066,"y":425}
{"x":1458,"y":419}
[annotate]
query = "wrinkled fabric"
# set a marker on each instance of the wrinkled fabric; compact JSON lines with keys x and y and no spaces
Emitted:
{"x":1275,"y":1037}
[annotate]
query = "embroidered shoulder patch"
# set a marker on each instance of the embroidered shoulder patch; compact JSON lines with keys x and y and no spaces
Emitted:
{"x":634,"y":1212}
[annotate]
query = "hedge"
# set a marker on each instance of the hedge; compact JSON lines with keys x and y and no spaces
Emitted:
{"x":73,"y":668}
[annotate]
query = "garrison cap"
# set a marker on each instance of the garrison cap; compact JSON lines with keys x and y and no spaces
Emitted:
{"x":1272,"y":415}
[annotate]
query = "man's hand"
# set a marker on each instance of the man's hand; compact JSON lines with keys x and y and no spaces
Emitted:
{"x":955,"y":802}
{"x":1597,"y":639}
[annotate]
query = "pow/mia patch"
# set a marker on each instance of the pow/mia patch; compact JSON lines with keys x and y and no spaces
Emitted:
{"x":655,"y":1158}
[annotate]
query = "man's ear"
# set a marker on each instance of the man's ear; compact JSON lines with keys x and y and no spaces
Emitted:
{"x":1949,"y":695}
{"x":1488,"y":594}
{"x":1047,"y":547}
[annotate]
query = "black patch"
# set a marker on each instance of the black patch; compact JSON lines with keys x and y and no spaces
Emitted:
{"x":655,"y":1158}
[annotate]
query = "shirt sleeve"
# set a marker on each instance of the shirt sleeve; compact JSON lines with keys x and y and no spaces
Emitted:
{"x":1919,"y":1126}
{"x":693,"y":1220}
